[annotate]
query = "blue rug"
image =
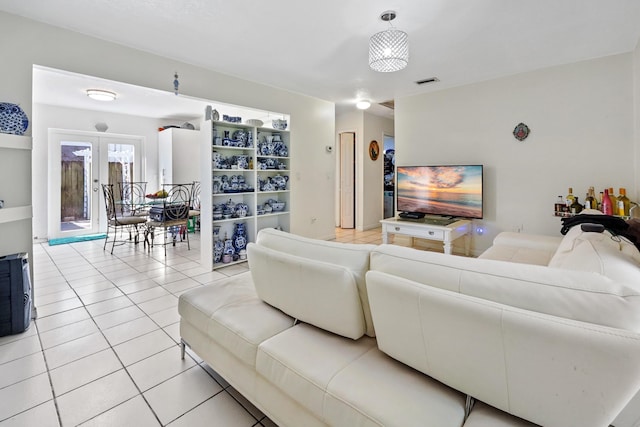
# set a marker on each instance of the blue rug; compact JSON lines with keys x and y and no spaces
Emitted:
{"x":85,"y":238}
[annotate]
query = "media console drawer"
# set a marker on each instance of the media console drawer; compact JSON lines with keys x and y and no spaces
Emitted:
{"x":418,"y":231}
{"x":444,"y":233}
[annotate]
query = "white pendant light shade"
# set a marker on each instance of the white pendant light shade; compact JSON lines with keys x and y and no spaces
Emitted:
{"x":388,"y":50}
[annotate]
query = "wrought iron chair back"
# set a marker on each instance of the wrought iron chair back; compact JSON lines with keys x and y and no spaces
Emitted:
{"x":172,"y":216}
{"x":117,"y":222}
{"x":132,"y":195}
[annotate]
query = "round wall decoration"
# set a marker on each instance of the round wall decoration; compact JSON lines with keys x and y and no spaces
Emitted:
{"x":374,"y":150}
{"x":521,"y":132}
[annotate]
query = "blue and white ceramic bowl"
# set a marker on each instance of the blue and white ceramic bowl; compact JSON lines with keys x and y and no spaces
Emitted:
{"x":279,"y":124}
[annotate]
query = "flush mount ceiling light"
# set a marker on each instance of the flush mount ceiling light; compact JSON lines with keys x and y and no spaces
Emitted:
{"x":363,"y":104}
{"x":389,"y":49}
{"x":101,"y":95}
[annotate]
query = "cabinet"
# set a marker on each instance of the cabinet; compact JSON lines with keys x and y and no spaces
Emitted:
{"x":177,"y":152}
{"x":443,"y":233}
{"x":15,"y":190}
{"x":247,"y":183}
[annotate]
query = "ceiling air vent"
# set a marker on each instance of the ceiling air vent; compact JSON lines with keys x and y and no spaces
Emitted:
{"x":388,"y":104}
{"x":429,"y":80}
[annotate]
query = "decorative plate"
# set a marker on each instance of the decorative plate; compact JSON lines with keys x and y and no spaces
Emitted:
{"x":13,"y":119}
{"x":521,"y":132}
{"x":374,"y":150}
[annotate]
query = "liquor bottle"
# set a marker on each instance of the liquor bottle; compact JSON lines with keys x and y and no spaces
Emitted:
{"x":575,"y":207}
{"x":623,"y":203}
{"x":570,"y":197}
{"x":590,"y":201}
{"x":600,"y":196}
{"x":614,"y":201}
{"x":607,"y":206}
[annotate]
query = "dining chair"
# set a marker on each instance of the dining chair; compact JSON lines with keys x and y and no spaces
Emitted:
{"x":116,"y":221}
{"x":194,"y":211}
{"x":171,"y":217}
{"x":132,"y":198}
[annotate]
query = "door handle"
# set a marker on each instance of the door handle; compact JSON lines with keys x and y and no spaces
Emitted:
{"x":95,"y":189}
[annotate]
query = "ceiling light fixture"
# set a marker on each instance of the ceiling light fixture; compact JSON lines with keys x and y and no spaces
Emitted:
{"x":363,"y":104}
{"x":389,"y":49}
{"x":101,"y":95}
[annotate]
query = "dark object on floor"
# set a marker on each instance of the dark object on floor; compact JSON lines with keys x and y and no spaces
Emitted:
{"x":15,"y":294}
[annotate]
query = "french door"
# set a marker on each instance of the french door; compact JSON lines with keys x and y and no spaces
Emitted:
{"x":79,"y":162}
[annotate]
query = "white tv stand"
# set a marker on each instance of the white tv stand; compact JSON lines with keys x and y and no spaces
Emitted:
{"x":421,"y":229}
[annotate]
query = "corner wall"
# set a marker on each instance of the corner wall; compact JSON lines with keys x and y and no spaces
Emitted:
{"x":582,"y":134}
{"x":369,"y":173}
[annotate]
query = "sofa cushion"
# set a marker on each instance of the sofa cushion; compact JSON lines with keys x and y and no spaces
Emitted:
{"x":302,"y":361}
{"x":376,"y":390}
{"x":564,"y":293}
{"x":523,"y":248}
{"x":353,"y":257}
{"x":230,"y":313}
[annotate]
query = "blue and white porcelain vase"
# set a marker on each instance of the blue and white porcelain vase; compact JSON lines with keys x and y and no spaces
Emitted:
{"x":13,"y":119}
{"x":228,"y":251}
{"x":240,"y":237}
{"x":218,"y":245}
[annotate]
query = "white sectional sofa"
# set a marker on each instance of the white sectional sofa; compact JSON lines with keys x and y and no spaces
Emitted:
{"x":537,"y":331}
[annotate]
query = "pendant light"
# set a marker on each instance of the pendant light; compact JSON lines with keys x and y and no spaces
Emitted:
{"x":389,"y":49}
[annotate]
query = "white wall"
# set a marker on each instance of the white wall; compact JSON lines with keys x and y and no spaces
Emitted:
{"x":312,"y":119}
{"x":375,"y":127}
{"x":582,"y":122}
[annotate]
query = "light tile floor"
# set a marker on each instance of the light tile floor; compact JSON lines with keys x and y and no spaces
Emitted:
{"x":104,"y":350}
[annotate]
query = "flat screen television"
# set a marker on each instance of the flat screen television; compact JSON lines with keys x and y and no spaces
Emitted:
{"x":448,"y":191}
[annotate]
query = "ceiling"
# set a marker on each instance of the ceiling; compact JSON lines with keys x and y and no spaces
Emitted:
{"x":321,"y":48}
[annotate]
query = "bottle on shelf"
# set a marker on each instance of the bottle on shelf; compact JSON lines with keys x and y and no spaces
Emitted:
{"x":570,"y":197}
{"x":612,"y":196}
{"x":623,"y":203}
{"x":590,"y":201}
{"x":607,"y":206}
{"x":575,"y":207}
{"x":560,"y":206}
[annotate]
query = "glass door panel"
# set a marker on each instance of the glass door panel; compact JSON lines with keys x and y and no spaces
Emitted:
{"x":76,"y":195}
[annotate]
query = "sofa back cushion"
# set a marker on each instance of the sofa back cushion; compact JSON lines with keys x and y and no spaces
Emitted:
{"x":545,"y":369}
{"x":578,"y":295}
{"x":353,"y":258}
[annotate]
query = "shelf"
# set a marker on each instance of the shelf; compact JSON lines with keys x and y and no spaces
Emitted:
{"x":263,"y":129}
{"x":222,"y":123}
{"x":222,"y":264}
{"x":273,"y":192}
{"x":232,"y":170}
{"x":232,"y":194}
{"x":260,"y":156}
{"x":217,"y":221}
{"x":16,"y":142}
{"x":228,"y":147}
{"x":272,"y":214}
{"x":15,"y":214}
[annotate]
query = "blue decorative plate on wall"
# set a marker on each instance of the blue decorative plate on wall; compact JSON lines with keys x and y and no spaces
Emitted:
{"x":13,"y":119}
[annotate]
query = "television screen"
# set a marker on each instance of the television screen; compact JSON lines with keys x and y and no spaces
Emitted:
{"x":454,"y":190}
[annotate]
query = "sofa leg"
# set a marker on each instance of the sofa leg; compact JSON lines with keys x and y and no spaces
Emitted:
{"x":183,"y":347}
{"x":468,"y":406}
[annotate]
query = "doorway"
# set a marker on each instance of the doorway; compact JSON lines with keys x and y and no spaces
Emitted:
{"x":389,"y":176}
{"x":347,"y":180}
{"x":79,"y":162}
